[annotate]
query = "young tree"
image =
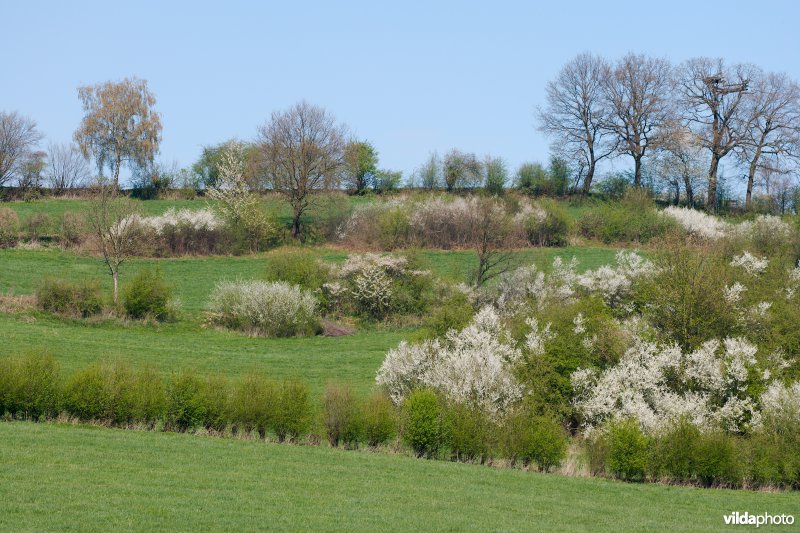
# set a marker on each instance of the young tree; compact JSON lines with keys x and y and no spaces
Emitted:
{"x":577,"y":111}
{"x":461,"y":170}
{"x":301,"y":152}
{"x":32,"y":168}
{"x":120,"y":125}
{"x":113,"y":219}
{"x":18,"y":136}
{"x":639,"y":92}
{"x":559,"y":173}
{"x":773,"y":131}
{"x":360,"y":166}
{"x":491,"y":227}
{"x":66,"y":168}
{"x":496,"y":172}
{"x":387,"y":180}
{"x":712,"y":101}
{"x":430,"y":174}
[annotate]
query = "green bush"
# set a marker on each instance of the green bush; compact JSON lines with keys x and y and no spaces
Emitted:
{"x":718,"y":461}
{"x":78,"y":299}
{"x":297,"y":267}
{"x":552,"y":229}
{"x":217,"y":400}
{"x":627,"y":450}
{"x":467,"y":432}
{"x":186,"y":406}
{"x":394,"y":228}
{"x":531,"y":438}
{"x":30,"y":386}
{"x":253,"y":404}
{"x":674,"y":453}
{"x":342,"y":415}
{"x":293,"y":414}
{"x":454,"y":313}
{"x":9,"y":225}
{"x":422,"y":422}
{"x":635,"y":219}
{"x":148,"y":295}
{"x":35,"y":225}
{"x":379,"y":420}
{"x":71,"y":228}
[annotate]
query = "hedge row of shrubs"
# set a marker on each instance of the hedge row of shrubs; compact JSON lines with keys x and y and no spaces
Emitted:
{"x":684,"y":454}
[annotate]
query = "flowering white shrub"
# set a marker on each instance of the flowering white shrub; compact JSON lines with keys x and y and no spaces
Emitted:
{"x":697,"y":223}
{"x":763,"y":225}
{"x":657,"y":385}
{"x":200,"y":219}
{"x":613,"y":283}
{"x":751,"y":264}
{"x":373,"y":290}
{"x":471,"y":366}
{"x":273,"y":309}
{"x":782,"y":402}
{"x":528,"y":284}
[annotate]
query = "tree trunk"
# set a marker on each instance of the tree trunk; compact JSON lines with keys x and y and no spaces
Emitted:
{"x":687,"y":182}
{"x":587,"y":181}
{"x":677,"y":192}
{"x":115,"y":275}
{"x":711,"y":201}
{"x":637,"y":172}
{"x":751,"y":173}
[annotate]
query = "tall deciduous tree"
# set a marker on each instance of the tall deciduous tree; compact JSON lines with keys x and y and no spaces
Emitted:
{"x":639,"y":91}
{"x":120,"y":125}
{"x":773,"y":130}
{"x":301,"y":153}
{"x":713,"y":99}
{"x":18,"y":137}
{"x":577,"y":112}
{"x":360,"y":166}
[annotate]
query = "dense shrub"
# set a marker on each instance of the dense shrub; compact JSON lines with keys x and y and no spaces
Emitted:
{"x":72,"y":228}
{"x":297,"y":267}
{"x":422,"y":422}
{"x":253,"y":404}
{"x":718,"y":460}
{"x":635,"y":219}
{"x":78,"y":298}
{"x":342,"y":415}
{"x":148,"y":295}
{"x":217,"y":392}
{"x":546,"y":224}
{"x":272,"y":309}
{"x":534,"y":439}
{"x":9,"y":224}
{"x":454,"y":313}
{"x":186,"y":405}
{"x":30,"y":386}
{"x":674,"y":452}
{"x":35,"y":225}
{"x":627,"y":450}
{"x":379,"y":420}
{"x":467,"y":432}
{"x":293,"y":413}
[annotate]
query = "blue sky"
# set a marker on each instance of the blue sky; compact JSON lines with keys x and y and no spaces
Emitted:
{"x":411,"y":77}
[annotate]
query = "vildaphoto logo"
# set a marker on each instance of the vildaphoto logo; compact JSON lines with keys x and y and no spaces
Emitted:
{"x":764,"y":519}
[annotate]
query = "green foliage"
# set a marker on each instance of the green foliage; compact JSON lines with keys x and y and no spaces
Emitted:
{"x":551,"y":230}
{"x":186,"y":407}
{"x":387,"y":180}
{"x":342,"y":415}
{"x":293,"y":412}
{"x":559,"y":173}
{"x":634,"y":219}
{"x":532,"y":178}
{"x":253,"y":404}
{"x":496,"y":175}
{"x":422,"y":422}
{"x":674,"y":453}
{"x":531,"y":438}
{"x":627,"y":450}
{"x":379,"y":419}
{"x":79,"y":298}
{"x":394,"y":228}
{"x":297,"y":267}
{"x":9,"y":224}
{"x":360,"y":165}
{"x":148,"y":295}
{"x":718,"y":460}
{"x":455,"y":312}
{"x":467,"y":432}
{"x":30,"y":386}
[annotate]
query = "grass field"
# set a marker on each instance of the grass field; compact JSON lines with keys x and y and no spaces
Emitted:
{"x":87,"y":478}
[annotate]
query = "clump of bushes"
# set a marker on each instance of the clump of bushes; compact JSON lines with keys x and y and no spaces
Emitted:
{"x":533,"y":439}
{"x":422,"y":422}
{"x":148,"y":295}
{"x":379,"y":419}
{"x":634,"y":219}
{"x":30,"y":387}
{"x":545,"y":224}
{"x":271,"y":309}
{"x":342,"y":415}
{"x":70,"y":298}
{"x":297,"y":267}
{"x":35,"y":225}
{"x":9,"y":225}
{"x":71,"y":229}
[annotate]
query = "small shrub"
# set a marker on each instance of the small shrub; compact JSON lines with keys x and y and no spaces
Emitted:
{"x":148,"y":295}
{"x":546,"y":225}
{"x":674,"y":453}
{"x":293,"y":411}
{"x":79,"y":299}
{"x":297,"y":267}
{"x":718,"y":460}
{"x":634,"y":219}
{"x":35,"y":225}
{"x":394,"y":228}
{"x":627,"y":450}
{"x":422,"y":422}
{"x":186,"y":407}
{"x":71,"y":228}
{"x":342,"y":415}
{"x":254,"y":404}
{"x":468,"y":432}
{"x":597,"y":450}
{"x":30,"y":386}
{"x":455,"y":313}
{"x":217,"y":400}
{"x":9,"y":225}
{"x":379,"y":420}
{"x":274,"y":309}
{"x":531,"y":438}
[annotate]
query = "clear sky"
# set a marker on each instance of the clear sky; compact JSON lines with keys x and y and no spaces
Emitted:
{"x":411,"y":77}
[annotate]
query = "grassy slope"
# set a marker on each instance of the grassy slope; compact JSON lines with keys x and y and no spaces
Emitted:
{"x":61,"y":477}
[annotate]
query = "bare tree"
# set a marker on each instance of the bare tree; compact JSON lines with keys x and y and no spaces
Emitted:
{"x":680,"y":160}
{"x":773,"y":131}
{"x":461,"y":170}
{"x":301,"y":153}
{"x":430,"y":173}
{"x":639,"y":91}
{"x":18,"y":136}
{"x":577,"y":111}
{"x":713,"y":102}
{"x":66,"y":167}
{"x":113,"y":219}
{"x":491,"y":228}
{"x":120,"y":125}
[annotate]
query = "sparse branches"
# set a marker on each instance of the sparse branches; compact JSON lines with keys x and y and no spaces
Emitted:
{"x":18,"y":136}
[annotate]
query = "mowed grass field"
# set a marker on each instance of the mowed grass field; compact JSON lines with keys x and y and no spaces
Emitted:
{"x":58,"y":477}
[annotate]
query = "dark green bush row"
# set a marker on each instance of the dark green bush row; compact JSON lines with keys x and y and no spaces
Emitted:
{"x":635,"y":219}
{"x":683,"y":454}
